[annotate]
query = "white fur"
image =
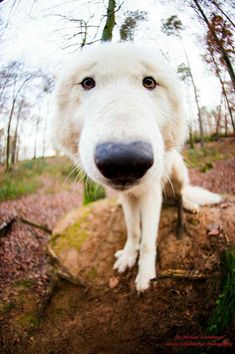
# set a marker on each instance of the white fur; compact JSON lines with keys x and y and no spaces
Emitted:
{"x":120,"y":108}
{"x":200,"y":195}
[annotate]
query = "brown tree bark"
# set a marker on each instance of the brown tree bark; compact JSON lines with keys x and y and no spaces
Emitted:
{"x":13,"y":153}
{"x":110,"y":22}
{"x":223,"y":90}
{"x":220,"y":46}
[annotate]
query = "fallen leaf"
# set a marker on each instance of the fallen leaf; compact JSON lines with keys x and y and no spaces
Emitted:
{"x":213,"y":229}
{"x":113,"y":282}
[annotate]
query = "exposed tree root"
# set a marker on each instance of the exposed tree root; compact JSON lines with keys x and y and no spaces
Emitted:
{"x":185,"y":274}
{"x":34,"y":224}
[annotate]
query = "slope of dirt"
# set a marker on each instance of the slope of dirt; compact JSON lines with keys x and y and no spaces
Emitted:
{"x":106,"y":315}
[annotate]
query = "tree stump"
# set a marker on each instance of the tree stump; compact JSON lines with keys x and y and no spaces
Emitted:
{"x":85,"y":240}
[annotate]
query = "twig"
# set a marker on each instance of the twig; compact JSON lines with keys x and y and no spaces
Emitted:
{"x":34,"y":224}
{"x":54,"y":281}
{"x":185,"y":274}
{"x":63,"y":272}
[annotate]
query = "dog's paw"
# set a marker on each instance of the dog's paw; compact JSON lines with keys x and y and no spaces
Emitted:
{"x":142,"y":282}
{"x":125,"y":259}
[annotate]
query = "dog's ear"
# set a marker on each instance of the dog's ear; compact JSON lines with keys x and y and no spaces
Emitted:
{"x":65,"y":129}
{"x":176,"y":130}
{"x":175,"y":133}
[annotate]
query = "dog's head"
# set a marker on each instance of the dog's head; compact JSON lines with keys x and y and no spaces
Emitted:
{"x":118,"y":110}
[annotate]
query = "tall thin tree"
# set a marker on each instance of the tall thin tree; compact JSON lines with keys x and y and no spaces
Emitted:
{"x":197,"y":6}
{"x":173,"y":26}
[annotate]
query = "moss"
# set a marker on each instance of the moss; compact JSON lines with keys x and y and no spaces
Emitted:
{"x":65,"y":302}
{"x":7,"y":307}
{"x":91,"y":274}
{"x":24,"y":283}
{"x":73,"y":236}
{"x":193,"y":221}
{"x":30,"y":320}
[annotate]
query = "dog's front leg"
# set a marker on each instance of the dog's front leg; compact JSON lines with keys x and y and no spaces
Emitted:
{"x":150,"y":207}
{"x":127,"y":256}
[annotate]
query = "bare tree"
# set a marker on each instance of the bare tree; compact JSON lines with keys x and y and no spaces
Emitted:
{"x":184,"y":73}
{"x":14,"y":143}
{"x":107,"y":33}
{"x":173,"y":27}
{"x":197,"y":6}
{"x":218,"y":6}
{"x":16,"y":80}
{"x":217,"y":70}
{"x":16,"y":92}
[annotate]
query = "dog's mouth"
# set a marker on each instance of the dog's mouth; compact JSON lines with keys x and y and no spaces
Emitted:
{"x":123,"y":185}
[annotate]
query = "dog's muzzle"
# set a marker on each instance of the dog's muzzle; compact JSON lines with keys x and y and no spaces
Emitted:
{"x":123,"y":163}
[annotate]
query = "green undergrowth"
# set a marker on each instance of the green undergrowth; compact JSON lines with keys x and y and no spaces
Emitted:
{"x":224,"y":311}
{"x":202,"y":158}
{"x":24,"y":178}
{"x":92,"y":191}
{"x":14,"y":184}
{"x":220,"y":320}
{"x":27,"y":176}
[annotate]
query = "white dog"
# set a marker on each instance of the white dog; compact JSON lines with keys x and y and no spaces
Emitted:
{"x":120,"y":114}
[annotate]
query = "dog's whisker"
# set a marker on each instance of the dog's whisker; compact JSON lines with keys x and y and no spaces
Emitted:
{"x":188,"y":162}
{"x":79,"y":178}
{"x":71,"y":172}
{"x":171,"y":184}
{"x":164,"y":190}
{"x":76,"y":183}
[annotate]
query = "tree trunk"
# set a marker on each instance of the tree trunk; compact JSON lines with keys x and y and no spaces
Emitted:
{"x":221,"y":48}
{"x":110,"y":22}
{"x":195,"y":94}
{"x":8,"y":133}
{"x":45,"y":130}
{"x":15,"y":95}
{"x":191,"y":140}
{"x":36,"y":138}
{"x":218,"y":120}
{"x":13,"y":153}
{"x":223,"y":89}
{"x":225,"y":124}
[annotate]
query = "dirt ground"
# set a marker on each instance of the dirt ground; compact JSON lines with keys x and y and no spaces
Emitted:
{"x":105,"y":314}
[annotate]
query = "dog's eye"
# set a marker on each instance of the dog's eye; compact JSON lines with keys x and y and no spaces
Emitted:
{"x":149,"y":83}
{"x":88,"y":83}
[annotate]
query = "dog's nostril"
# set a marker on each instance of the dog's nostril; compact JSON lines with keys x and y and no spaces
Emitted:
{"x":124,"y":162}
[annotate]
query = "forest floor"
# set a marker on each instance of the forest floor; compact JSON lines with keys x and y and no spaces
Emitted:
{"x":109,"y":316}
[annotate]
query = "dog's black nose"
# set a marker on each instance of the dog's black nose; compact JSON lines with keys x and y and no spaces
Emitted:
{"x":123,"y":163}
